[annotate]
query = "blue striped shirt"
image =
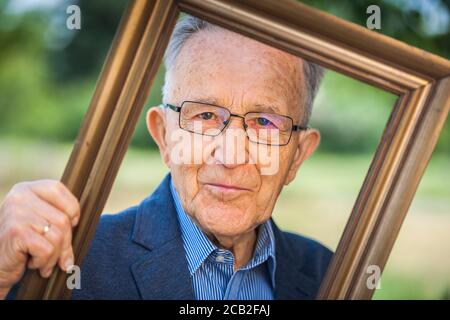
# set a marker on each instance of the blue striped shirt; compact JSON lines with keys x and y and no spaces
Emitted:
{"x":212,"y":268}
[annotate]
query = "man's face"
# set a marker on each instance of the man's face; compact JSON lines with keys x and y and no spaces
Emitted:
{"x":231,"y":198}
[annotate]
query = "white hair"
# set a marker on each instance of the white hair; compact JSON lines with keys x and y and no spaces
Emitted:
{"x":189,"y":25}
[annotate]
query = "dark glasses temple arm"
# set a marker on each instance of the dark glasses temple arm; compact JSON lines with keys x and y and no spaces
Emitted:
{"x":299,"y":128}
{"x":171,"y":106}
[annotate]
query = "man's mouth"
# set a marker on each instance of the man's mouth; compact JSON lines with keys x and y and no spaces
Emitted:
{"x":226,"y":186}
{"x":225,"y":192}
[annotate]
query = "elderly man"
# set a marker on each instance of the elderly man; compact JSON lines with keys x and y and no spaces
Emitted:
{"x":206,"y":232}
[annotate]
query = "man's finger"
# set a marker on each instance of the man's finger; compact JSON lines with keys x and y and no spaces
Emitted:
{"x":66,"y":258}
{"x":57,"y":194}
{"x":56,"y":238}
{"x":39,"y":248}
{"x":51,"y":213}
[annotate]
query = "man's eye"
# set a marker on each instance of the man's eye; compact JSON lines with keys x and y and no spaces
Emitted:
{"x":206,"y":115}
{"x":263,"y":121}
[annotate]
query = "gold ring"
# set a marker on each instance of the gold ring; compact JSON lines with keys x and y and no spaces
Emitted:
{"x":47,"y":228}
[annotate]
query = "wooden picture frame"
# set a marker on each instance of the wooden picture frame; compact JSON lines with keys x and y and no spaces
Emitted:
{"x":420,"y":80}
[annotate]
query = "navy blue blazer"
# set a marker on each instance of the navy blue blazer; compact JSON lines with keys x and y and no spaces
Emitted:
{"x":139,"y":254}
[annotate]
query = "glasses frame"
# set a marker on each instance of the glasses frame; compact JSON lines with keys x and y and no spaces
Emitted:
{"x":294,"y":127}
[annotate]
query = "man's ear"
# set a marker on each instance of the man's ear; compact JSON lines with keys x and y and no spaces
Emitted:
{"x":306,"y":144}
{"x":156,"y":126}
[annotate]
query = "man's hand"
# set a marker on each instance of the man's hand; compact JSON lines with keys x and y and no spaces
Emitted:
{"x":36,"y":220}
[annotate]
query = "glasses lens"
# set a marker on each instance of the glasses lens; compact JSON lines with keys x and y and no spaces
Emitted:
{"x":268,"y":128}
{"x":203,"y":118}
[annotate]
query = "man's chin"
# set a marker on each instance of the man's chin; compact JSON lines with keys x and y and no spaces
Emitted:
{"x":226,"y":221}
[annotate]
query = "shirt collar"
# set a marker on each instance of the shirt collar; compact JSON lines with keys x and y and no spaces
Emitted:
{"x":196,"y":244}
{"x":198,"y":247}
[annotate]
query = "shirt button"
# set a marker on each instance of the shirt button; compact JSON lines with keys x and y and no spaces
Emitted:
{"x":220,"y":258}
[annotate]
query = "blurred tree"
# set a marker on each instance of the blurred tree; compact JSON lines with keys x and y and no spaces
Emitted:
{"x":424,"y":24}
{"x":86,"y":49}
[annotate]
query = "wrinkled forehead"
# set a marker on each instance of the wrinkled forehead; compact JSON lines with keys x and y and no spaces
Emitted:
{"x":237,"y":71}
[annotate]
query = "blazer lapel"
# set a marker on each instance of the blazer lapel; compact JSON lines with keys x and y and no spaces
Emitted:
{"x":162,"y":273}
{"x":290,"y":281}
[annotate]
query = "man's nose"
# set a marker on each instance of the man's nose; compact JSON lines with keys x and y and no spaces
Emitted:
{"x":232,"y":144}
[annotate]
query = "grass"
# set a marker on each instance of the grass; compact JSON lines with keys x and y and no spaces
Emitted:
{"x":317,"y":204}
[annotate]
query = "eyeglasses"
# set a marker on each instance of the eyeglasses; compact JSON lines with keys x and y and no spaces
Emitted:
{"x":210,"y":120}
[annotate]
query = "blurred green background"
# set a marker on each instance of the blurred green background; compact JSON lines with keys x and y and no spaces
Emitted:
{"x":48,"y":74}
